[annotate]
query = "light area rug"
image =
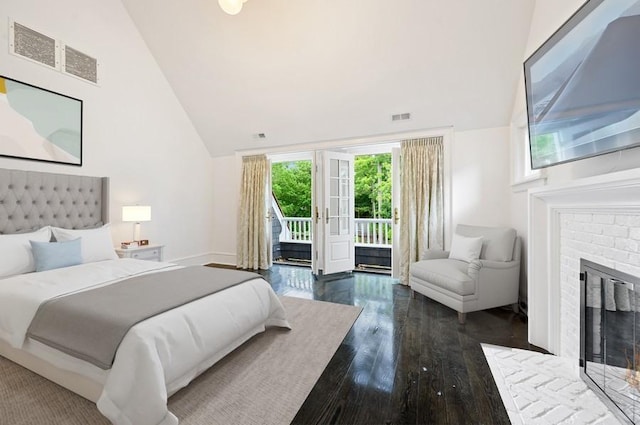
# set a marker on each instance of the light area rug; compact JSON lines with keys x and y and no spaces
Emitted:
{"x":265,"y":381}
{"x":543,"y":389}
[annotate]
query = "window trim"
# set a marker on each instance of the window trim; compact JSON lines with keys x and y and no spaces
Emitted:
{"x":522,"y":176}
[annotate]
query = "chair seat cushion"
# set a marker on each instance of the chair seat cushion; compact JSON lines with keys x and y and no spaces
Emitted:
{"x":445,"y":273}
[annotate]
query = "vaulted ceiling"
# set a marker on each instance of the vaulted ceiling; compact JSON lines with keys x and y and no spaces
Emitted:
{"x":304,"y":71}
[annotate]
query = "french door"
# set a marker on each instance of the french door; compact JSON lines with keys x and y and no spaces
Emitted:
{"x":333,"y":206}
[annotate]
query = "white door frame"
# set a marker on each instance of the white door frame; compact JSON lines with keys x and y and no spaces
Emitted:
{"x":395,"y":213}
{"x":293,"y":157}
{"x":368,"y":144}
{"x":269,"y":216}
{"x":317,"y":208}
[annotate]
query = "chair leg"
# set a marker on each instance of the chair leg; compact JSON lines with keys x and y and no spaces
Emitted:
{"x":461,"y":317}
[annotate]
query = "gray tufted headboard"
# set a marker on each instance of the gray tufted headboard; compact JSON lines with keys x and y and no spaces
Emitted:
{"x":31,"y":199}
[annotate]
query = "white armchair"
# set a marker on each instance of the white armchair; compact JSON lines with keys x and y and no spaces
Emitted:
{"x":492,"y":280}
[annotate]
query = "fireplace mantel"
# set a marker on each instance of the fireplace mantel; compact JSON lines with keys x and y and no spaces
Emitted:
{"x":605,"y":194}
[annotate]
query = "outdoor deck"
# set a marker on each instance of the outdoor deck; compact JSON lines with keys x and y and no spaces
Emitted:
{"x":292,"y":238}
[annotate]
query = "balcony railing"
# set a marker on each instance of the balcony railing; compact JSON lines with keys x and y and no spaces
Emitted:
{"x":295,"y":229}
{"x":373,"y":231}
{"x":368,"y":231}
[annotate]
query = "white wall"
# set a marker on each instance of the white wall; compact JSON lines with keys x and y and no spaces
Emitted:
{"x":226,"y":190}
{"x":520,"y":223}
{"x":480,"y":177}
{"x":481,"y":192}
{"x":134,"y":129}
{"x":479,"y":185}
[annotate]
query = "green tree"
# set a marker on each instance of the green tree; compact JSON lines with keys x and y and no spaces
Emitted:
{"x":373,"y":186}
{"x":291,"y":185}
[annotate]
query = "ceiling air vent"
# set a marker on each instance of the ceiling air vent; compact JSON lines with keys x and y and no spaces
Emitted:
{"x":79,"y":64}
{"x":401,"y":117}
{"x":33,"y":45}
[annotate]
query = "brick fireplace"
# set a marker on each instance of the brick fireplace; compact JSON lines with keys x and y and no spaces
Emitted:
{"x":596,"y":218}
{"x":607,"y":238}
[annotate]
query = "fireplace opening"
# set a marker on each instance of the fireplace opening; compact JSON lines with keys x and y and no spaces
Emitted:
{"x":609,"y":344}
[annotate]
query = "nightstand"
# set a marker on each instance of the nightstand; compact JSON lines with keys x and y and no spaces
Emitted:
{"x":148,"y":252}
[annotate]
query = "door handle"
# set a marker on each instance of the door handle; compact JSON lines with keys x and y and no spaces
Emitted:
{"x":317,"y":214}
{"x":396,"y":216}
{"x":327,"y":216}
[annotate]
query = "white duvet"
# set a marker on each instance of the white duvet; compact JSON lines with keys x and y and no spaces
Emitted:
{"x":158,"y":356}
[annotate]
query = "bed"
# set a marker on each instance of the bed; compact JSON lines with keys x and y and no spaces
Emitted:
{"x":155,"y":357}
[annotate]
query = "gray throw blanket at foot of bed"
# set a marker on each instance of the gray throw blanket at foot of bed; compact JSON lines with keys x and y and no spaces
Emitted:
{"x":90,"y":325}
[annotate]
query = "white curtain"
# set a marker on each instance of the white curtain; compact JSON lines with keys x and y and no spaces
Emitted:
{"x":422,"y":200}
{"x":254,"y":251}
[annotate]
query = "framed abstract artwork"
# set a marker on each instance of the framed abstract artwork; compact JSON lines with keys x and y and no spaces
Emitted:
{"x":39,"y":124}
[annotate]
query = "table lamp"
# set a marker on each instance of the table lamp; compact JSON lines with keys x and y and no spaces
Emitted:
{"x":136,"y":214}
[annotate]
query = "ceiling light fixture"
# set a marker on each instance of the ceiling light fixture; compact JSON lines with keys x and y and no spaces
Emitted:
{"x":232,"y":7}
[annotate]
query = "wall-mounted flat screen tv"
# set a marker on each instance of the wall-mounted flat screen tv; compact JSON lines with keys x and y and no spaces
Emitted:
{"x":583,"y":85}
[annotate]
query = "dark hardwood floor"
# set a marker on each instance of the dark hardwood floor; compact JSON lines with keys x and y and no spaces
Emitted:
{"x":405,"y":361}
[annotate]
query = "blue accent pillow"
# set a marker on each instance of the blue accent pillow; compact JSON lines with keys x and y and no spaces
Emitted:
{"x":54,"y":255}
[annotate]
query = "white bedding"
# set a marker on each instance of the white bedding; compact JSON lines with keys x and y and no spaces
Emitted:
{"x":158,"y":356}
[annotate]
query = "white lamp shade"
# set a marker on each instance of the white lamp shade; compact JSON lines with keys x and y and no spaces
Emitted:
{"x":136,"y":213}
{"x":232,"y":7}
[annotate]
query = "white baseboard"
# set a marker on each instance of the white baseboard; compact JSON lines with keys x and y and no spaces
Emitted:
{"x":224,"y":258}
{"x":193,"y":260}
{"x":211,"y":257}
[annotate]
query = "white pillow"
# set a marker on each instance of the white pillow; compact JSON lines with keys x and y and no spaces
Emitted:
{"x":16,"y":256}
{"x":96,"y":244}
{"x":465,"y":249}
